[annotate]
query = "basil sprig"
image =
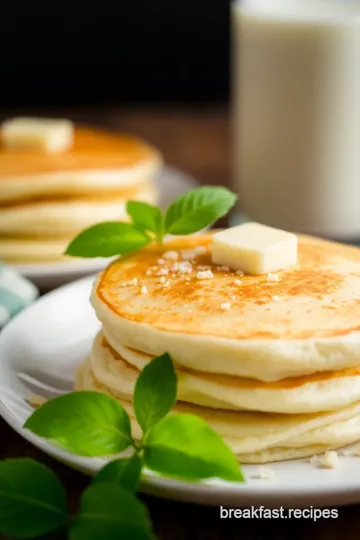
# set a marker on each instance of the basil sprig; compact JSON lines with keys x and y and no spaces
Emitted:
{"x":182,"y":446}
{"x":85,"y":423}
{"x":155,"y":392}
{"x":190,"y":213}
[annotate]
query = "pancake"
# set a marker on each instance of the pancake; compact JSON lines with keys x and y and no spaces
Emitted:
{"x":99,"y":161}
{"x":66,"y":217}
{"x":320,"y":392}
{"x":32,"y":250}
{"x":306,"y":323}
{"x":256,"y":437}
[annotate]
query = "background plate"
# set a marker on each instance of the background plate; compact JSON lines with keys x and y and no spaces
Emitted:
{"x":170,"y":182}
{"x":39,"y":351}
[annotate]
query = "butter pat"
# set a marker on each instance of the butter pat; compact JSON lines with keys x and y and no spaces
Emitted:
{"x":254,"y":248}
{"x":44,"y":134}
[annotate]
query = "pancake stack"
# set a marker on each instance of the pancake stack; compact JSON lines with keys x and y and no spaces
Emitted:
{"x":271,"y":362}
{"x":46,"y":199}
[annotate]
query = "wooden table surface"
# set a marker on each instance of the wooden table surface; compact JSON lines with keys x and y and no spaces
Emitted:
{"x":196,"y":141}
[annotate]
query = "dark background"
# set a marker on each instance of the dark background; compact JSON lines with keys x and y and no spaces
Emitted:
{"x":129,"y":51}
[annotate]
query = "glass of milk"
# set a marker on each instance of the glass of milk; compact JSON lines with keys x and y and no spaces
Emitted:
{"x":296,"y":121}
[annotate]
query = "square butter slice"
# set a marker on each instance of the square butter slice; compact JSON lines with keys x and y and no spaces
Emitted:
{"x":44,"y":134}
{"x":254,"y":248}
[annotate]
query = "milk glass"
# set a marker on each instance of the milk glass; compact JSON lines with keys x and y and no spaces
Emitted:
{"x":296,"y":114}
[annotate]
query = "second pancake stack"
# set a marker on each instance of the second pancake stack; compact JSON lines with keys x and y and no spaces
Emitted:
{"x":48,"y":198}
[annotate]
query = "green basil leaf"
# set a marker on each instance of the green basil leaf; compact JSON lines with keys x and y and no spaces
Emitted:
{"x":86,"y":423}
{"x":186,"y":447}
{"x":125,"y":472}
{"x":108,"y":511}
{"x":107,"y":239}
{"x":32,"y":499}
{"x":197,"y":209}
{"x":155,"y":391}
{"x":146,"y":217}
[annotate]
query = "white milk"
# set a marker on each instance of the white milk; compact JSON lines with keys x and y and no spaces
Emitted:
{"x":297,"y":114}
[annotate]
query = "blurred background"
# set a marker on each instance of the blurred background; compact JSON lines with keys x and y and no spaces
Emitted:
{"x":114,"y":53}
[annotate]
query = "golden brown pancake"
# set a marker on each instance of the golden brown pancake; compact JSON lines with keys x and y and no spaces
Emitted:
{"x":307,"y":322}
{"x":93,"y":149}
{"x":98,"y":161}
{"x":256,"y":437}
{"x":66,"y":216}
{"x":126,"y":193}
{"x":118,"y":370}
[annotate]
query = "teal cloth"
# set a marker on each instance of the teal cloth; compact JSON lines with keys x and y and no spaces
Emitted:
{"x":16,"y":293}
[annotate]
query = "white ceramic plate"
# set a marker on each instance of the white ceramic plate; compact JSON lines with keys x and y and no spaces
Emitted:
{"x":39,"y":350}
{"x":171,"y":183}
